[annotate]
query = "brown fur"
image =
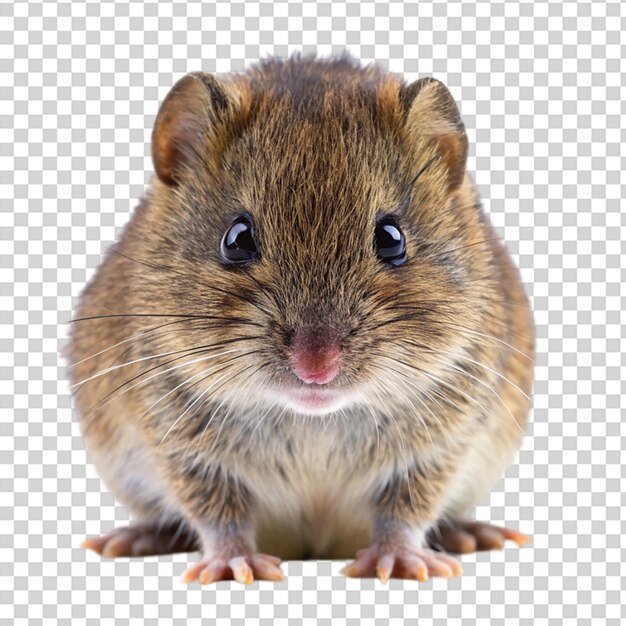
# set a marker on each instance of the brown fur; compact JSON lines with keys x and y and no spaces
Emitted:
{"x":313,"y":150}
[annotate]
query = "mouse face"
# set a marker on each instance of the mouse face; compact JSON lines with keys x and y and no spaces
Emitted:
{"x":315,"y":223}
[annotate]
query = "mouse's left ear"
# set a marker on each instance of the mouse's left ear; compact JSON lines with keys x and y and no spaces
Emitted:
{"x":432,"y":121}
{"x":195,"y":122}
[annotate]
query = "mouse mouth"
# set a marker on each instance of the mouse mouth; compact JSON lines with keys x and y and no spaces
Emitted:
{"x":315,"y":400}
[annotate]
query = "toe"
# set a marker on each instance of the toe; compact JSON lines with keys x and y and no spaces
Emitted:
{"x":364,"y":565}
{"x":265,"y":569}
{"x":455,"y":540}
{"x":120,"y":544}
{"x":519,"y":538}
{"x":384,"y":567}
{"x":414,"y":567}
{"x":491,"y":537}
{"x":454,"y":564}
{"x":488,"y":537}
{"x":437,"y":567}
{"x":270,"y":557}
{"x":242,"y":571}
{"x":465,"y":536}
{"x":193,"y":571}
{"x":95,"y":543}
{"x":142,"y":546}
{"x":214,"y":571}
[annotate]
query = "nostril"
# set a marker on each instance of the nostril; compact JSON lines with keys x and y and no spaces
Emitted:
{"x":314,"y":360}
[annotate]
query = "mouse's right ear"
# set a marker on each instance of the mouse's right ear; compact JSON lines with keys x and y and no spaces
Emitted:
{"x":194,"y":124}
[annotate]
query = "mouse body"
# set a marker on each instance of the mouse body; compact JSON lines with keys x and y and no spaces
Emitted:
{"x":308,"y":341}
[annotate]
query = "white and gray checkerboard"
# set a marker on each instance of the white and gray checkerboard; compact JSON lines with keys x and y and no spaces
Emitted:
{"x":541,"y":89}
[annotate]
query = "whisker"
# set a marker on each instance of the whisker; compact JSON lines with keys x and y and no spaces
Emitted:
{"x":460,"y":356}
{"x":109,"y":399}
{"x":152,"y":266}
{"x":200,"y":396}
{"x":493,"y":338}
{"x":501,"y":376}
{"x":426,"y":315}
{"x":376,"y":425}
{"x":171,"y":391}
{"x":467,"y":329}
{"x":401,"y":441}
{"x":188,"y":351}
{"x":484,"y":384}
{"x":469,"y":245}
{"x":262,"y":418}
{"x":119,"y":343}
{"x":441,"y":381}
{"x":214,"y":287}
{"x":417,"y":391}
{"x":419,"y":415}
{"x":139,"y":360}
{"x":260,"y":367}
{"x":221,"y":318}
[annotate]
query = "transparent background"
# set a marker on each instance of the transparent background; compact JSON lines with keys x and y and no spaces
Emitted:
{"x":541,"y":89}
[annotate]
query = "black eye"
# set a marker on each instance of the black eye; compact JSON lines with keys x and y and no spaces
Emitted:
{"x":238,"y":245}
{"x":389,"y":241}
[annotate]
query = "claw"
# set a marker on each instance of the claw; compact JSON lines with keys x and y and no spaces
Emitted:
{"x":218,"y":570}
{"x":399,"y":558}
{"x":464,"y":536}
{"x":241,"y":570}
{"x":384,"y":567}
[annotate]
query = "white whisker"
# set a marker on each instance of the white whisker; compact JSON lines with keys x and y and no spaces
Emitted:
{"x":200,"y":396}
{"x":401,"y":441}
{"x":136,"y":336}
{"x":161,"y":373}
{"x":494,"y":338}
{"x":145,"y":358}
{"x":484,"y":384}
{"x":459,"y":356}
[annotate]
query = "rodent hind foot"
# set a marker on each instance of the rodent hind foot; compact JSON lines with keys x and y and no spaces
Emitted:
{"x":142,"y":540}
{"x":396,"y":557}
{"x":242,"y":568}
{"x":463,"y":537}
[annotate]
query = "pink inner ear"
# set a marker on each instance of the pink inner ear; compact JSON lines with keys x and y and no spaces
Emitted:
{"x":453,"y":150}
{"x":176,"y":141}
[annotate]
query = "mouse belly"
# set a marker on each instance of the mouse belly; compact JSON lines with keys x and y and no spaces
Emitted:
{"x":331,"y":521}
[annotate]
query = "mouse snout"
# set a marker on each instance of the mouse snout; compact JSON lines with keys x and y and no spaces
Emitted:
{"x":315,"y":356}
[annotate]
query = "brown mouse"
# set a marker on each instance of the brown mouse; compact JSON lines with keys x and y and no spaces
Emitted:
{"x":309,"y":342}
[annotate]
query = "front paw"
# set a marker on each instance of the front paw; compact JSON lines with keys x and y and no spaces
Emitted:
{"x":233,"y":558}
{"x":400,"y":554}
{"x":242,"y":568}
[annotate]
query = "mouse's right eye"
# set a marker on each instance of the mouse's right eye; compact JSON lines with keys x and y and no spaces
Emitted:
{"x":238,"y":244}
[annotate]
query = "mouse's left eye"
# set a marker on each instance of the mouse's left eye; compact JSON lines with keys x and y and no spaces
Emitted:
{"x":389,"y":241}
{"x":238,"y":244}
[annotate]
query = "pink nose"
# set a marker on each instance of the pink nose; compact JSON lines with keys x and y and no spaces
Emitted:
{"x":315,"y":360}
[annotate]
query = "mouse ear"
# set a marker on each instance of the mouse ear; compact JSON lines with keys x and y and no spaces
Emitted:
{"x":192,"y":126}
{"x":433,"y":117}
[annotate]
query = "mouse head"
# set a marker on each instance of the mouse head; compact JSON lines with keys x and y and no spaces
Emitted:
{"x":314,"y":219}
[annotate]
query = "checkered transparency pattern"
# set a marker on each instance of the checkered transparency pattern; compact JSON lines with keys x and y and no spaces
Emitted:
{"x":541,"y":89}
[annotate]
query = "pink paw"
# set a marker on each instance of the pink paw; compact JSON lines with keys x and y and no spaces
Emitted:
{"x":397,"y":557}
{"x":464,"y":536}
{"x":242,"y":568}
{"x":142,"y":540}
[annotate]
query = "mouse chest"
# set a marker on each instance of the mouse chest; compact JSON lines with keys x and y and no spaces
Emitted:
{"x":311,"y":497}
